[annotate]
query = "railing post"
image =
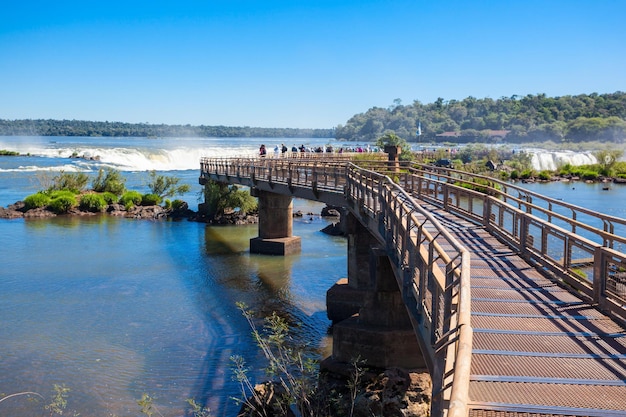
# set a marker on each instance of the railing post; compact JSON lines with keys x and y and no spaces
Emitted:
{"x":599,"y":277}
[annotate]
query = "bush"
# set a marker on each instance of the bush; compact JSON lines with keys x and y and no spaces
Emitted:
{"x":74,"y":182}
{"x":150,"y":200}
{"x":544,"y":175}
{"x":514,"y":175}
{"x":130,"y":199}
{"x":63,"y":203}
{"x":61,"y":193}
{"x":589,"y":175}
{"x":109,"y":197}
{"x":109,"y":181}
{"x":178,"y":204}
{"x":37,"y":200}
{"x":93,"y":202}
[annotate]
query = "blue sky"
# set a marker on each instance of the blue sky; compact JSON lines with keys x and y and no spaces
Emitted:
{"x":299,"y":63}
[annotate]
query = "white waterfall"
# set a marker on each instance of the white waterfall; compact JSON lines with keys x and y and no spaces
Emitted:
{"x":552,"y":160}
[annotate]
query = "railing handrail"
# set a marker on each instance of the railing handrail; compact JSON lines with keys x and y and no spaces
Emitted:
{"x":525,"y":198}
{"x":391,"y":202}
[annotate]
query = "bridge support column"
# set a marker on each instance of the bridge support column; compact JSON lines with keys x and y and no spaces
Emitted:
{"x":381,"y":334}
{"x":275,"y":225}
{"x":346,"y":297}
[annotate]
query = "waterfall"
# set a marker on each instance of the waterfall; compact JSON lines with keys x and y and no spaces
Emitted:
{"x":552,"y":160}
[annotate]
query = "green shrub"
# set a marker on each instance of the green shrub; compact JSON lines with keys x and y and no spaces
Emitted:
{"x":527,"y":173}
{"x":167,"y":203}
{"x":178,"y":204}
{"x":61,"y":193}
{"x":150,"y":200}
{"x":37,"y":200}
{"x":514,"y":175}
{"x":63,"y":203}
{"x":589,"y":175}
{"x":544,"y":175}
{"x":109,"y":181}
{"x":74,"y":182}
{"x":130,"y":199}
{"x":93,"y":202}
{"x":109,"y":197}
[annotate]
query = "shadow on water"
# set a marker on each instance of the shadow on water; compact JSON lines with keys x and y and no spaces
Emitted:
{"x":265,"y":284}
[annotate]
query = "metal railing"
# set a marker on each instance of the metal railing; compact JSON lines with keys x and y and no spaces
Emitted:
{"x":434,"y":281}
{"x":552,"y":234}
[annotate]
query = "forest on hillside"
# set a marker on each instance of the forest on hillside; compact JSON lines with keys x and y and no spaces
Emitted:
{"x":532,"y":118}
{"x":48,"y":127}
{"x":515,"y":119}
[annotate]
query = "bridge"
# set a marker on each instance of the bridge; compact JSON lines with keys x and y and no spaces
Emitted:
{"x":515,"y":302}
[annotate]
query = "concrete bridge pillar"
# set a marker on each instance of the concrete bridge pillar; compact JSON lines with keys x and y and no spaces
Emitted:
{"x":381,"y":333}
{"x":346,"y":297}
{"x":275,"y":225}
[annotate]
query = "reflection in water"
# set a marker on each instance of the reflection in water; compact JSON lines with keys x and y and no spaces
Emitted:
{"x":114,"y":308}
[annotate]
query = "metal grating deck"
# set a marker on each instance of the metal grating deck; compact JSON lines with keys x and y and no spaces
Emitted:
{"x":538,"y":350}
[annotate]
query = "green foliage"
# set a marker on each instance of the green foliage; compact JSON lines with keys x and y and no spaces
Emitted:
{"x":109,"y":180}
{"x":197,"y":410}
{"x":62,"y":203}
{"x":544,"y":175}
{"x":514,"y":175}
{"x":219,"y":196}
{"x":36,"y":200}
{"x":391,"y":139}
{"x":61,"y":193}
{"x":177,"y":204}
{"x":292,"y":369}
{"x":150,"y":200}
{"x":531,"y":118}
{"x":93,"y":202}
{"x":130,"y":199}
{"x":165,"y":186}
{"x":74,"y":182}
{"x":41,"y":127}
{"x":4,"y":152}
{"x":527,"y":173}
{"x":147,"y":405}
{"x":109,"y":197}
{"x":59,"y":400}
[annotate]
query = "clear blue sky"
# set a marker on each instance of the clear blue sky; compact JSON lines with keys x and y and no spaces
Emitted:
{"x":298,"y":63}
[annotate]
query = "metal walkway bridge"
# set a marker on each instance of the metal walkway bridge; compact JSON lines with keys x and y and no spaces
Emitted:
{"x":518,"y":300}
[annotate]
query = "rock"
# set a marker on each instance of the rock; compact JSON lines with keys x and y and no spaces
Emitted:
{"x":38,"y":213}
{"x":267,"y":401}
{"x":8,"y":213}
{"x":331,"y":211}
{"x":396,"y":392}
{"x":333,"y":230}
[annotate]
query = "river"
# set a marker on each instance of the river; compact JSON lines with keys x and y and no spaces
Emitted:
{"x":114,"y":308}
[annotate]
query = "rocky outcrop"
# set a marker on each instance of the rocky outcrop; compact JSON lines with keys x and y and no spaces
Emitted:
{"x":18,"y":210}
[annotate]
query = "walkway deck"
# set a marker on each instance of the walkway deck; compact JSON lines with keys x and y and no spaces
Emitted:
{"x":539,"y":346}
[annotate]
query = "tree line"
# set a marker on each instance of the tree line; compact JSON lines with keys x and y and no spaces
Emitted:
{"x":49,"y":127}
{"x":531,"y":118}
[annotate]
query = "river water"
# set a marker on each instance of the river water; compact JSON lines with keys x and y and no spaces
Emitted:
{"x":114,"y":308}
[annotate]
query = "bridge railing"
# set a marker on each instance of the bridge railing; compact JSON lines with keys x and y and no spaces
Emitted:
{"x":548,"y":232}
{"x":435,"y":272}
{"x":432,"y":266}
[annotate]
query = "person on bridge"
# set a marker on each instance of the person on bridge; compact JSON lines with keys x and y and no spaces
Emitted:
{"x":262,"y":151}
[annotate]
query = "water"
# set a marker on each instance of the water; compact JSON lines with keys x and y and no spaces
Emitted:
{"x":114,"y":308}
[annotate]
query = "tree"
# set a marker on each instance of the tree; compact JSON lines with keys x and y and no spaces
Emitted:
{"x":391,"y":139}
{"x":109,"y":180}
{"x":218,"y":197}
{"x":165,"y":186}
